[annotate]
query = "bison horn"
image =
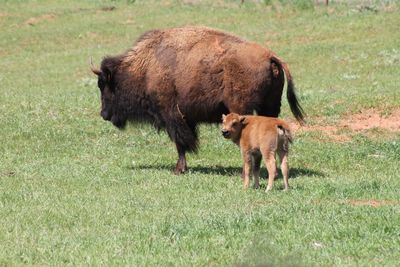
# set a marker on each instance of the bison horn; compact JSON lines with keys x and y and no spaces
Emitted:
{"x":93,"y":68}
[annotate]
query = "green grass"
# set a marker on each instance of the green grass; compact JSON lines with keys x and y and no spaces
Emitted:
{"x":76,"y":191}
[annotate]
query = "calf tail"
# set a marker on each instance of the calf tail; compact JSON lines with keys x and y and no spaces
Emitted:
{"x":285,"y":136}
{"x":288,"y":135}
{"x":294,"y":104}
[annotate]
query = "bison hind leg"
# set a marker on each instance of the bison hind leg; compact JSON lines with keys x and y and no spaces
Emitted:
{"x":271,"y":95}
{"x":271,"y":103}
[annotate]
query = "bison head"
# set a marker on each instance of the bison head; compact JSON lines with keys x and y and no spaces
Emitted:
{"x":110,"y":109}
{"x":232,"y":125}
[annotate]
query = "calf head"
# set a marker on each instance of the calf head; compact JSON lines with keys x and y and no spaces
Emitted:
{"x":107,"y":85}
{"x":232,"y":125}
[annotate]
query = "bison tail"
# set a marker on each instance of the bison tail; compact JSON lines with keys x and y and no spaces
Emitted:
{"x":294,"y":104}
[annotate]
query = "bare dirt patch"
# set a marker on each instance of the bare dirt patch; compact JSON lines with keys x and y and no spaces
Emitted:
{"x":35,"y":20}
{"x":370,"y":118}
{"x":371,"y":202}
{"x":362,"y":122}
{"x":108,"y":8}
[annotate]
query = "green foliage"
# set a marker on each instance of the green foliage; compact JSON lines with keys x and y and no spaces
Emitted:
{"x":267,"y":2}
{"x":300,"y":4}
{"x":304,"y":4}
{"x":76,"y":191}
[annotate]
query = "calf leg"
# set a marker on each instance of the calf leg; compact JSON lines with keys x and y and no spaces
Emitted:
{"x":256,"y":170}
{"x":269,"y":158}
{"x":283,"y":156}
{"x":246,"y":168}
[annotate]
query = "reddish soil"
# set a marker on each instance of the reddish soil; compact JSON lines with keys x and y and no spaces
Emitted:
{"x":364,"y":121}
{"x":371,"y":202}
{"x":370,"y":118}
{"x":35,"y":20}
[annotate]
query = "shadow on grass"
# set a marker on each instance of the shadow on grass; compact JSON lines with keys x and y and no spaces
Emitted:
{"x":227,"y":170}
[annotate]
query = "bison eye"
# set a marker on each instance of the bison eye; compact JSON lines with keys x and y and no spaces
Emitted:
{"x":101,"y":84}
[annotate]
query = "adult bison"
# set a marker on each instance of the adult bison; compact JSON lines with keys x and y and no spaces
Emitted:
{"x":180,"y":77}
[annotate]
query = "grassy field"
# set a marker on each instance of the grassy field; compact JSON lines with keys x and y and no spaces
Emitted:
{"x":76,"y":191}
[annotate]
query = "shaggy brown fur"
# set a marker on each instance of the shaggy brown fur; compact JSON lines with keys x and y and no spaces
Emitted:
{"x":180,"y":77}
{"x":259,"y":136}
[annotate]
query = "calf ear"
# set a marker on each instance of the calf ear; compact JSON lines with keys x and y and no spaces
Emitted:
{"x":242,"y":119}
{"x":223,"y":116}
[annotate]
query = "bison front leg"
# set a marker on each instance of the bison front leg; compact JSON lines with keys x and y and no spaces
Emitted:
{"x":181,"y":165}
{"x":185,"y":137}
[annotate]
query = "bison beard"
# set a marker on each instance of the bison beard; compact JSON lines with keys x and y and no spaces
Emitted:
{"x":180,"y":77}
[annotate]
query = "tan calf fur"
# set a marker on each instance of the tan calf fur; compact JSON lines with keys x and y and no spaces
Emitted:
{"x":258,"y":137}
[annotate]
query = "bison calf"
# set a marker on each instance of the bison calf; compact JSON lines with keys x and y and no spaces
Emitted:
{"x":258,"y":137}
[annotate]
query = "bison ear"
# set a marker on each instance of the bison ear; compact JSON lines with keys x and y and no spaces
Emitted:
{"x":242,"y":119}
{"x":223,"y":116}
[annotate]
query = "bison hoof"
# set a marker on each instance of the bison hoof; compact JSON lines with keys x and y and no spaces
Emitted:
{"x":179,"y":171}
